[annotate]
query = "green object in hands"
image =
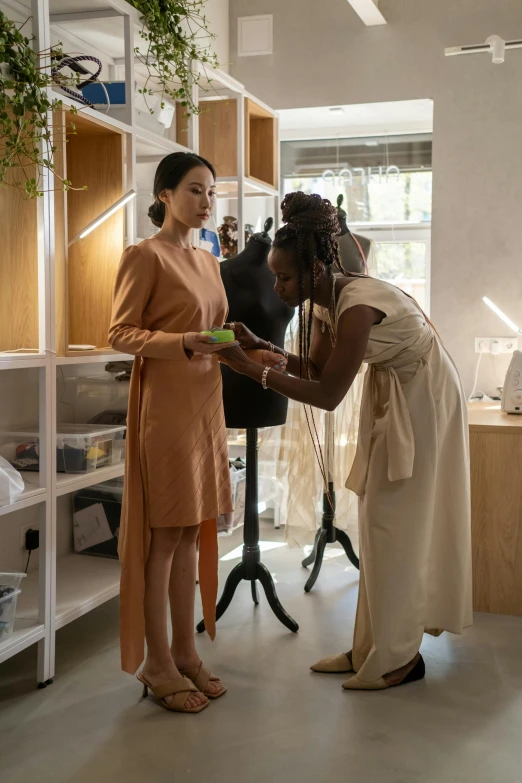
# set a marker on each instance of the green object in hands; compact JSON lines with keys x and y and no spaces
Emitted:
{"x":221,"y":335}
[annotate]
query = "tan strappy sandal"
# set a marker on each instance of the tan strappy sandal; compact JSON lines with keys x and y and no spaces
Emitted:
{"x":201,"y":678}
{"x":179,"y":688}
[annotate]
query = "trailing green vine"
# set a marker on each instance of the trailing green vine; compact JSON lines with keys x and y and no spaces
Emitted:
{"x":176,"y":35}
{"x":26,"y":141}
{"x":177,"y":38}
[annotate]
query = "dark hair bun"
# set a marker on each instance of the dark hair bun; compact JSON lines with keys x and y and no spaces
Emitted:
{"x":310,"y":214}
{"x":157,"y":213}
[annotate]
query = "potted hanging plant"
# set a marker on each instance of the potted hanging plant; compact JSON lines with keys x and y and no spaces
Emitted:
{"x":26,"y":143}
{"x":176,"y":36}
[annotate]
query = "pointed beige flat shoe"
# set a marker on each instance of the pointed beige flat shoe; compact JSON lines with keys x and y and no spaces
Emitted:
{"x":355,"y":684}
{"x":334,"y":664}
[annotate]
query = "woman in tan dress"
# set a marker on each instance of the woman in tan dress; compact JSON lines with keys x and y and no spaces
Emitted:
{"x":177,"y":473}
{"x":411,"y":468}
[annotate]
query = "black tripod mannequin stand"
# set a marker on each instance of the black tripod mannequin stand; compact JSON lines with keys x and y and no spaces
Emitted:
{"x":251,"y":568}
{"x":328,"y":533}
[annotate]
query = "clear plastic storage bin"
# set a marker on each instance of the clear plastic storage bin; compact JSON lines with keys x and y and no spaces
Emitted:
{"x":80,"y":448}
{"x":9,"y":592}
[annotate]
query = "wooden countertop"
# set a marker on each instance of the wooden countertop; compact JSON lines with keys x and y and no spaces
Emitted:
{"x":487,"y":417}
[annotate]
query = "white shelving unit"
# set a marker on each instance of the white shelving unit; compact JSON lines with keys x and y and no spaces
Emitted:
{"x":64,"y":588}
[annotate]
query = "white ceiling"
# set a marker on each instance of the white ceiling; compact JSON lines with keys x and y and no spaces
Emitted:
{"x":365,"y":119}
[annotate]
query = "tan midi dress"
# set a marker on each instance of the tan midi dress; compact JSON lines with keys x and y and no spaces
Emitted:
{"x":177,"y":471}
{"x":411,"y":473}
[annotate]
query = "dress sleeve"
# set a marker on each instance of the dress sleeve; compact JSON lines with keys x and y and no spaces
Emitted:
{"x":366,"y":291}
{"x":132,"y":292}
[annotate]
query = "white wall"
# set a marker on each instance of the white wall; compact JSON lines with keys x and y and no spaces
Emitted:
{"x":324,"y":55}
{"x":217,"y":13}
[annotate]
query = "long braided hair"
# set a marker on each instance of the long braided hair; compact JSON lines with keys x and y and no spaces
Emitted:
{"x":310,"y":233}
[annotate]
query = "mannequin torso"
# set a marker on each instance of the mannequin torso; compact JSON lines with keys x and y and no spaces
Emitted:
{"x":249,"y":285}
{"x":350,"y":253}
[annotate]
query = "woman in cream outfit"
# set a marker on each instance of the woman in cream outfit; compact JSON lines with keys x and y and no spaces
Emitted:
{"x":411,"y":468}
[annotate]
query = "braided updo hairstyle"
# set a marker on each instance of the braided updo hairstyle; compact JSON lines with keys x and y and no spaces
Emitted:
{"x":310,"y":232}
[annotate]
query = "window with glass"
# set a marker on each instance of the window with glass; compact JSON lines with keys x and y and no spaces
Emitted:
{"x":386,"y":187}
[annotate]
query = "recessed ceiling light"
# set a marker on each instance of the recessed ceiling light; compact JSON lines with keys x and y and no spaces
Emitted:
{"x":337,"y":109}
{"x":372,"y":143}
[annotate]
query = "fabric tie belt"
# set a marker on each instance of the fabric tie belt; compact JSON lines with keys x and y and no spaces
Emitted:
{"x":400,"y":441}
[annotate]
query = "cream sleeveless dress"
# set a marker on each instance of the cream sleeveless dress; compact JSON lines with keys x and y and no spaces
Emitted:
{"x":411,"y":473}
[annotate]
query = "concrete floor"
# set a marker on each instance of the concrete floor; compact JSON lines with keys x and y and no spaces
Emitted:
{"x":278,"y":722}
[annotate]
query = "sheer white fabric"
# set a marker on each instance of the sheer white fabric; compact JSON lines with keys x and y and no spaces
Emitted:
{"x":290,"y":453}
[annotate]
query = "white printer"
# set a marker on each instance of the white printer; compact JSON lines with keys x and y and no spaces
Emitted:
{"x":512,"y":391}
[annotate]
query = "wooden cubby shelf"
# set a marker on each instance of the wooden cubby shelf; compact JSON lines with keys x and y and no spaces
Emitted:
{"x":218,"y":139}
{"x":18,"y":272}
{"x":261,"y":144}
{"x":91,"y":154}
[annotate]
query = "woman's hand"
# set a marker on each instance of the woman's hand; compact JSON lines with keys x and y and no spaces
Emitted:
{"x":238,"y":360}
{"x":195,"y":342}
{"x":244,"y":336}
{"x":274,"y":360}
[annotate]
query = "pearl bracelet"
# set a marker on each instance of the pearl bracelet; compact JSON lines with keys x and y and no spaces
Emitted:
{"x":264,"y":377}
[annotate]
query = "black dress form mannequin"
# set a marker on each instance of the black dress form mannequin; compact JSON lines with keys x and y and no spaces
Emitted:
{"x":350,"y":254}
{"x":352,"y":261}
{"x":249,"y":285}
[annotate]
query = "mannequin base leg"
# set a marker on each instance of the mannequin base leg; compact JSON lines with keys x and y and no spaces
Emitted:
{"x":319,"y":554}
{"x":346,"y":544}
{"x":234,"y":578}
{"x":267,"y":583}
{"x":237,"y":575}
{"x":311,"y":557}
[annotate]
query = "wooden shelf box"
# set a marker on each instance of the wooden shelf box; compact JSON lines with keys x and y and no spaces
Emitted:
{"x":217,"y":134}
{"x":18,"y":270}
{"x":91,"y":154}
{"x":261,"y":144}
{"x":218,"y":139}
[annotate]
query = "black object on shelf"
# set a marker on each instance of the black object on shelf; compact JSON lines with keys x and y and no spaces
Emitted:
{"x":327,"y":534}
{"x":109,"y":495}
{"x":251,"y":569}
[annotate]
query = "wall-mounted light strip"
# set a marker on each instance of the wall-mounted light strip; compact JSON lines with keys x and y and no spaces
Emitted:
{"x":368,"y":10}
{"x":104,"y":216}
{"x":501,"y":315}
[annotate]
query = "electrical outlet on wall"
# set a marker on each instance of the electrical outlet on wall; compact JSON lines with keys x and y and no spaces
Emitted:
{"x":496,"y":345}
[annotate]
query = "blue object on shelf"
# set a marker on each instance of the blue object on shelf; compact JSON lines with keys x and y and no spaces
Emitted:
{"x":96,"y":94}
{"x":210,"y":236}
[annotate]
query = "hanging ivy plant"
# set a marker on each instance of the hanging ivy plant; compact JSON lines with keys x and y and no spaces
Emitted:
{"x":176,"y":34}
{"x":26,"y":141}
